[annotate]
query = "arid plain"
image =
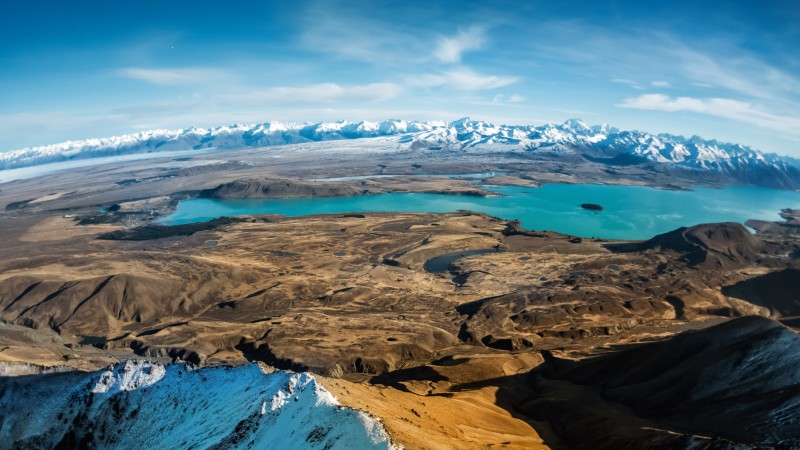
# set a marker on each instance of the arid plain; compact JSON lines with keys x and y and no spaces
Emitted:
{"x":540,"y":337}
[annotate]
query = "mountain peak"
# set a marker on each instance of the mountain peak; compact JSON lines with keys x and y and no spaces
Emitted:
{"x":460,"y":122}
{"x":575,"y":124}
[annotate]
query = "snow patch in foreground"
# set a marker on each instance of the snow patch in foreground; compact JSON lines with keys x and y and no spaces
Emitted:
{"x":140,"y":404}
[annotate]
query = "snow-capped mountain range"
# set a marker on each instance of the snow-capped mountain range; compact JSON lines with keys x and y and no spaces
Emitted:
{"x":599,"y":143}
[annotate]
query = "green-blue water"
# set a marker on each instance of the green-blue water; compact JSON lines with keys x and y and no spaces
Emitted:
{"x":631,"y":212}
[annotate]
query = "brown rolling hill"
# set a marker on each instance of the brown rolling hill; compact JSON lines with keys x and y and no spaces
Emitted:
{"x":720,"y":245}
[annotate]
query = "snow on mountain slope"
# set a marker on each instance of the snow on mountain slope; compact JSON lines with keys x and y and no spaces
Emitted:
{"x":600,"y":143}
{"x":146,"y":405}
{"x":225,"y":137}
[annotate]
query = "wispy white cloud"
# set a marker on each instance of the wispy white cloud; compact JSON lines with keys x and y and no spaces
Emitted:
{"x":718,"y":77}
{"x":627,"y":82}
{"x":661,"y":102}
{"x":450,"y":49}
{"x":513,"y":98}
{"x":665,"y":57}
{"x":719,"y":107}
{"x":348,"y":31}
{"x":317,"y":93}
{"x":499,"y":102}
{"x":463,"y":79}
{"x":344,"y":30}
{"x":744,"y":74}
{"x":175,"y":76}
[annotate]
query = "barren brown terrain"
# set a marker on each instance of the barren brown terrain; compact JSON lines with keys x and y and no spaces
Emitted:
{"x":514,"y":347}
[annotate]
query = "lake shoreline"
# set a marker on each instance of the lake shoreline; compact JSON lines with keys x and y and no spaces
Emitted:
{"x":629,"y":212}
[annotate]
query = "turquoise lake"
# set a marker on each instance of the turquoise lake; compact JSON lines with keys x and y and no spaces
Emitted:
{"x":631,"y":212}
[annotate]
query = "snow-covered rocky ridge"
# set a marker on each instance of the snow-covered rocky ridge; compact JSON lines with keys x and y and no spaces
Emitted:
{"x":145,"y":405}
{"x":599,"y":143}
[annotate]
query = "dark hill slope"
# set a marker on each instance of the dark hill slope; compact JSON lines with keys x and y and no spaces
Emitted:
{"x":779,"y":291}
{"x":736,"y":382}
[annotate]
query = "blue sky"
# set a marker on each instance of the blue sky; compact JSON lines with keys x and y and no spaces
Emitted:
{"x":728,"y":70}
